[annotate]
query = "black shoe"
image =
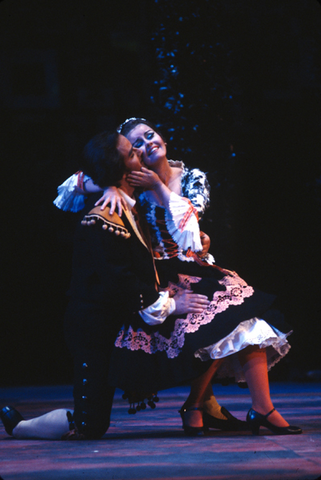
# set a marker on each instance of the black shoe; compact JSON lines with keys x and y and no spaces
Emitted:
{"x":10,"y":418}
{"x":193,"y":431}
{"x":255,"y":420}
{"x":231,"y":424}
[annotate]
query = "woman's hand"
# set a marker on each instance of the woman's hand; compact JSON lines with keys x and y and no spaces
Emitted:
{"x":144,"y":178}
{"x":189,"y":302}
{"x":112,"y":196}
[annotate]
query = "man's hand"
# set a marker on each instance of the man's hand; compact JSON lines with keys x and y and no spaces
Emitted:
{"x":112,"y":196}
{"x":189,"y":302}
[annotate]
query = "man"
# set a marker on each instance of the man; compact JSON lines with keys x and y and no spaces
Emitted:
{"x":113,"y":278}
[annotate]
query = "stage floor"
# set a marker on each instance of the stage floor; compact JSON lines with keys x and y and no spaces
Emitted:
{"x":151,"y":445}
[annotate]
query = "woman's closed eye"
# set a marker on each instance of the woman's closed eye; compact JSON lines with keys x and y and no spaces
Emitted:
{"x":138,"y":144}
{"x":149,"y":135}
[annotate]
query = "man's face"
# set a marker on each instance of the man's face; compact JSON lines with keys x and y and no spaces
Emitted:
{"x":132,"y":156}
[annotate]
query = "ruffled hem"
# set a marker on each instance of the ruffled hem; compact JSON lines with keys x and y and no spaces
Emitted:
{"x":250,"y":332}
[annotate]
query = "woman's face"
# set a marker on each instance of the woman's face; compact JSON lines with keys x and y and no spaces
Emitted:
{"x":149,"y":143}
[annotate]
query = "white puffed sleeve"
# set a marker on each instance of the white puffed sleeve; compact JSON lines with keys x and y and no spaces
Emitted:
{"x":182,"y":223}
{"x":157,"y":313}
{"x":71,"y":196}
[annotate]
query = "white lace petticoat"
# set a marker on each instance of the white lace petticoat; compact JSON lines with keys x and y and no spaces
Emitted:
{"x":250,"y":332}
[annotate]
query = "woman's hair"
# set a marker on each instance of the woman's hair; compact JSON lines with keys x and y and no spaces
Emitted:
{"x":129,"y":124}
{"x":102,"y":161}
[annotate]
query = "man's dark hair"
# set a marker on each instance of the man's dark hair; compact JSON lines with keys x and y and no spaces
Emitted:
{"x":102,"y":161}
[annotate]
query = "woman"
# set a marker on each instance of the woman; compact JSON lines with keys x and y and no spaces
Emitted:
{"x":230,"y":331}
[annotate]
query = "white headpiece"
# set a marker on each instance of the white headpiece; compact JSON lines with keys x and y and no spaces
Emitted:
{"x":119,"y":129}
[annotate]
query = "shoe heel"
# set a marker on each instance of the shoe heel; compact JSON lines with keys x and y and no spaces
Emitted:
{"x":255,"y":429}
{"x":253,"y":421}
{"x":193,"y":431}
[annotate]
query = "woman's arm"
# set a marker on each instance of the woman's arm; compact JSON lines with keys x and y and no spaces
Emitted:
{"x":90,"y":187}
{"x":72,"y":192}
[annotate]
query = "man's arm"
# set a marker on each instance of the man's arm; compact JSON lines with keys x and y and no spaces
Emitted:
{"x":126,"y":274}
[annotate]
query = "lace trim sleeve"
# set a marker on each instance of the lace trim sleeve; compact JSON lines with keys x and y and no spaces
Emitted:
{"x":182,"y":223}
{"x":71,"y":195}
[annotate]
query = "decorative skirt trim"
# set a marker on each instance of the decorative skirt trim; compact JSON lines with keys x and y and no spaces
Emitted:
{"x":236,"y":290}
{"x":250,"y":332}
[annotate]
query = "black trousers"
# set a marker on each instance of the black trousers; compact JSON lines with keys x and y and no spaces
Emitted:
{"x":93,"y":397}
{"x":90,"y":337}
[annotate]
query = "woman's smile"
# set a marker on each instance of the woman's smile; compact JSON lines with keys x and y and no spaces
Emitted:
{"x":152,"y":149}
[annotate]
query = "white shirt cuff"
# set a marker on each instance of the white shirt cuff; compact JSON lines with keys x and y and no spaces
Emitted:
{"x":157,"y":313}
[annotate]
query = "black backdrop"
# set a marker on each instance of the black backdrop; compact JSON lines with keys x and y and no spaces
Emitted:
{"x":236,"y":90}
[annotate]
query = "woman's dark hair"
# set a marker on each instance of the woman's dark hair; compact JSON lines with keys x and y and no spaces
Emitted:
{"x":102,"y":161}
{"x":126,"y":127}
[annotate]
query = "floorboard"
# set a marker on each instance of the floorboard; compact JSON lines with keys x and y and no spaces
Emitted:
{"x":151,"y":445}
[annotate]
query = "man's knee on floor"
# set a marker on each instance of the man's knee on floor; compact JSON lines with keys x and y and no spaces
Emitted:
{"x":91,"y":428}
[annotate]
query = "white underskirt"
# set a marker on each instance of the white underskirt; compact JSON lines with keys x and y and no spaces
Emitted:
{"x":250,"y":332}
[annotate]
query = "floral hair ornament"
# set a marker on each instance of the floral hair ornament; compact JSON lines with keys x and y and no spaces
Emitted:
{"x":119,"y":129}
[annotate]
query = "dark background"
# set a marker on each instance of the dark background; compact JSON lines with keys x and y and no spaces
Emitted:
{"x":235,"y":87}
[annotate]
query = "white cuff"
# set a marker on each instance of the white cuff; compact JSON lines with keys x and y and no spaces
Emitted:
{"x":157,"y":313}
{"x":182,"y":223}
{"x":208,"y":258}
{"x":70,"y":196}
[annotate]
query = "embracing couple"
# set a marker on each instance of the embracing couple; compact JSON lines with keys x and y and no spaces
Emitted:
{"x":149,"y":309}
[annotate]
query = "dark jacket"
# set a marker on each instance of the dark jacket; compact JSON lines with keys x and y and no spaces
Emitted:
{"x":113,"y":276}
